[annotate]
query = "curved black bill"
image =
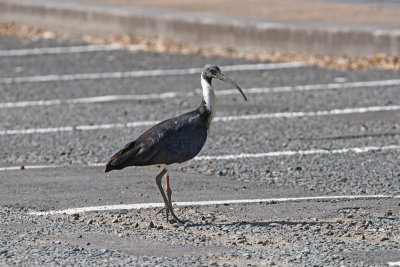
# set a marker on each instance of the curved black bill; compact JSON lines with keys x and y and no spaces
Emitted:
{"x":222,"y":77}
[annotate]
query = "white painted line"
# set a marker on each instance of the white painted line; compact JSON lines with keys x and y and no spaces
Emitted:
{"x":394,"y":263}
{"x":28,"y":167}
{"x":41,"y":167}
{"x":67,"y":50}
{"x":309,"y":114}
{"x":91,"y":100}
{"x":264,"y":66}
{"x":78,"y":128}
{"x":286,"y":153}
{"x":210,"y":203}
{"x":217,"y":119}
{"x":145,"y":73}
{"x":112,"y":98}
{"x":38,"y":130}
{"x":311,"y":87}
{"x":301,"y":152}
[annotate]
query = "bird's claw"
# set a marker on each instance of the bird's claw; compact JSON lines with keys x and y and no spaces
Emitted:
{"x":161,"y":210}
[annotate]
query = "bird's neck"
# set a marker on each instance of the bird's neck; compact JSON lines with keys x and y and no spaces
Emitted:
{"x":208,"y":95}
{"x":207,"y":106}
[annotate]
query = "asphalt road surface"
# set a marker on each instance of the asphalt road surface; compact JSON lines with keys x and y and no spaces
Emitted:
{"x":306,"y":172}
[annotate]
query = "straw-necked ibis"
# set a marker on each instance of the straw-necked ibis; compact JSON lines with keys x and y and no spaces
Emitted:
{"x":175,"y":140}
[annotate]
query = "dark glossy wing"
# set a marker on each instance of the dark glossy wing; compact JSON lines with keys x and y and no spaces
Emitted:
{"x":172,"y":141}
{"x":118,"y":159}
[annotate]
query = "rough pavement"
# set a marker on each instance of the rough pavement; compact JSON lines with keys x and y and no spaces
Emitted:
{"x":330,"y":233}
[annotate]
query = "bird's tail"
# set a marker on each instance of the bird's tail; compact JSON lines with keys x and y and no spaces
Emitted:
{"x":109,"y":167}
{"x":119,"y":160}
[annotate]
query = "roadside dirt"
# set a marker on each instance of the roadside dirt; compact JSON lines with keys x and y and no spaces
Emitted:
{"x":301,"y":10}
{"x":162,"y":45}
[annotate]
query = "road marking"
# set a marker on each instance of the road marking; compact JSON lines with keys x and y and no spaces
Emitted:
{"x":264,"y":90}
{"x":210,"y":203}
{"x":67,"y":50}
{"x":284,"y":153}
{"x":301,"y":152}
{"x":40,"y":167}
{"x":78,"y":128}
{"x":146,"y":73}
{"x":29,"y":167}
{"x":309,"y":114}
{"x":91,"y":100}
{"x":394,"y":263}
{"x":311,"y":87}
{"x":217,"y":119}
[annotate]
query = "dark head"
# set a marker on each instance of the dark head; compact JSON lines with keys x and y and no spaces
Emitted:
{"x":213,"y":71}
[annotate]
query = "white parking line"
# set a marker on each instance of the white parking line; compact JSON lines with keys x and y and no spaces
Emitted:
{"x":302,"y":152}
{"x":91,"y":100}
{"x":209,"y":203}
{"x":217,"y":119}
{"x":309,"y":114}
{"x":393,"y":263}
{"x":283,"y":153}
{"x":67,"y":50}
{"x":29,"y":167}
{"x":78,"y":128}
{"x":146,"y":73}
{"x":311,"y":87}
{"x":264,"y":90}
{"x":57,"y":50}
{"x":36,"y":167}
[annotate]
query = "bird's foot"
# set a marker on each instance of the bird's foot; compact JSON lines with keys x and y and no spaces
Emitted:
{"x":162,"y":210}
{"x":168,"y":192}
{"x":167,"y":202}
{"x":172,"y":220}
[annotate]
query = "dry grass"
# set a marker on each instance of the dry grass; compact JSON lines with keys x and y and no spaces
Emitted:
{"x":162,"y":45}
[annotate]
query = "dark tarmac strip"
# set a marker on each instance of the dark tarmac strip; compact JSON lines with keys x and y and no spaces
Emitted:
{"x":69,"y":187}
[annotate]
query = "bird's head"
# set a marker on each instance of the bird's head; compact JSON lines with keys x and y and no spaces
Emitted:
{"x":213,"y":71}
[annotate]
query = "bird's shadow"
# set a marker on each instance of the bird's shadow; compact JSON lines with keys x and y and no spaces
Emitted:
{"x":253,"y":224}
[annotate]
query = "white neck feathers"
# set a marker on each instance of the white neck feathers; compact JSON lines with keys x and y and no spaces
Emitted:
{"x":208,"y":95}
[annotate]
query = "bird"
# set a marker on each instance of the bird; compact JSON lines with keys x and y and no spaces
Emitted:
{"x":175,"y":140}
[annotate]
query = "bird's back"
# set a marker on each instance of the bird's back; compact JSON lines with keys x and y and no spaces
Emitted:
{"x":174,"y":140}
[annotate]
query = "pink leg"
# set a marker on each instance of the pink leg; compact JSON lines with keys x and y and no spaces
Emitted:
{"x":166,"y":202}
{"x":168,"y":191}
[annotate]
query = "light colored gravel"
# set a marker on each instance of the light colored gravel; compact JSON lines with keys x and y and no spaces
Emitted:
{"x":217,"y":238}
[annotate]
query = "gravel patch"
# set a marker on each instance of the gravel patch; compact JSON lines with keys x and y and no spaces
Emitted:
{"x":216,"y":238}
